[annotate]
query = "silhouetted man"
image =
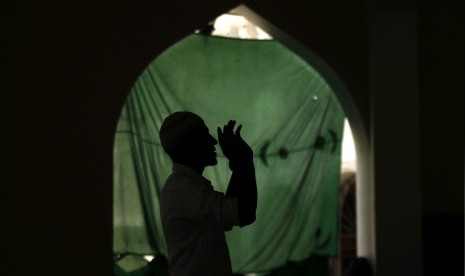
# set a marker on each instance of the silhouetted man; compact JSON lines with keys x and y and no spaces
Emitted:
{"x":194,"y":216}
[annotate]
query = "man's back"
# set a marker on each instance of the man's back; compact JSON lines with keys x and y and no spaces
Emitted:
{"x":194,"y":219}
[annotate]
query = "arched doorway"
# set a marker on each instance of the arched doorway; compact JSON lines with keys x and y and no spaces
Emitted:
{"x":137,"y":113}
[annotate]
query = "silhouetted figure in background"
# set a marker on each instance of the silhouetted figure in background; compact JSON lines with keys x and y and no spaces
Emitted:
{"x":194,"y":216}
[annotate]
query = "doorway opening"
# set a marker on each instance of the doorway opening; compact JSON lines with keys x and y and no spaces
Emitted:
{"x":137,"y":151}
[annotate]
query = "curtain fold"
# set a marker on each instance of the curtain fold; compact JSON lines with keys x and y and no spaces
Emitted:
{"x":291,"y":118}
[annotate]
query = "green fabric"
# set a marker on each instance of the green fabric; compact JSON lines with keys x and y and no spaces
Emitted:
{"x":292,"y":120}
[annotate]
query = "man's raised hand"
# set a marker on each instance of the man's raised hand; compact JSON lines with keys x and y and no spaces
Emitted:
{"x":233,"y":146}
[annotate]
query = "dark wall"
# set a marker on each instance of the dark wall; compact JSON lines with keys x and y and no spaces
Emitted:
{"x":442,"y":86}
{"x":76,"y":62}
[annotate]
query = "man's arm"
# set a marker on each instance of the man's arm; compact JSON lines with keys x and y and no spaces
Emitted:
{"x":243,"y":187}
{"x":242,"y":184}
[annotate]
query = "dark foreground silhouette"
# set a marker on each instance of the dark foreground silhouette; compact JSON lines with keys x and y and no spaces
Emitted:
{"x":194,"y":215}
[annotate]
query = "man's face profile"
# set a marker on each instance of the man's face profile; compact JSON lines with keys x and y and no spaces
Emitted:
{"x":187,"y":140}
{"x":201,"y":146}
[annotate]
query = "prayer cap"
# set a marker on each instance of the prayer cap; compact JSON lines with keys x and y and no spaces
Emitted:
{"x":176,"y":126}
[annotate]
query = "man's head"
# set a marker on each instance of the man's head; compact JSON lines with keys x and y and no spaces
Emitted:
{"x":186,"y":139}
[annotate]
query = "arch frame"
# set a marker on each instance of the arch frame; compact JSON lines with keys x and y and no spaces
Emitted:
{"x":366,"y":243}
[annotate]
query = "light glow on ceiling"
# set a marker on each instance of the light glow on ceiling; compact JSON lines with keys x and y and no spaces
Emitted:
{"x":237,"y":26}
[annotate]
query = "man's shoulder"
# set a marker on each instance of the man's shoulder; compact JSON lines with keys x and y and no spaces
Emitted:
{"x":183,"y":183}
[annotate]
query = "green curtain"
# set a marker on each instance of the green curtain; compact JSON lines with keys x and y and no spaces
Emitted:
{"x":292,"y":120}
